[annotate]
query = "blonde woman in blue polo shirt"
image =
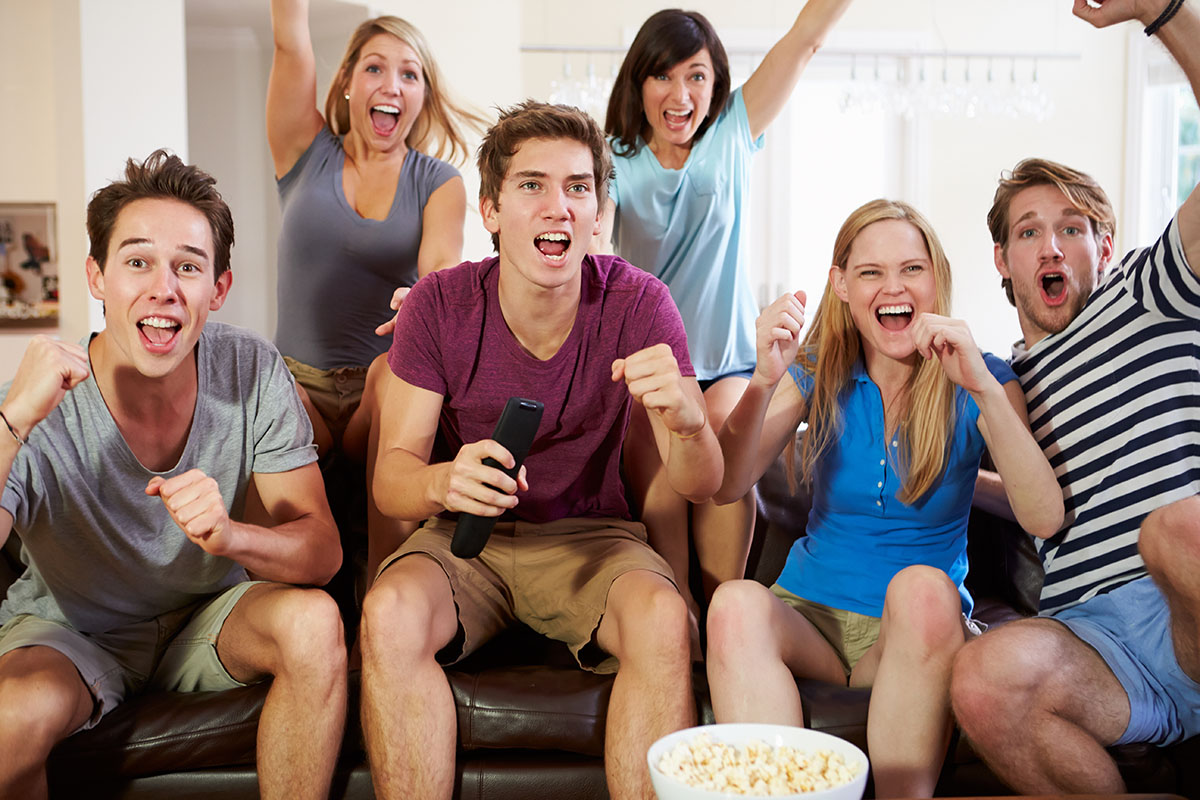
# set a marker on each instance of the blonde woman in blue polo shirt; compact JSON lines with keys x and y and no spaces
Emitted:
{"x":899,"y":403}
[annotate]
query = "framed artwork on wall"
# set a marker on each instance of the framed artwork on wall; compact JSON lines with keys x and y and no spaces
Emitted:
{"x":28,"y":266}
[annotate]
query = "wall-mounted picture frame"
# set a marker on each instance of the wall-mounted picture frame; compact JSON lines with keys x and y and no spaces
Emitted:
{"x":28,"y":265}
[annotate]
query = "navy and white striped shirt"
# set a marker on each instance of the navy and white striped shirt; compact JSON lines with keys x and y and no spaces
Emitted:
{"x":1114,"y":402}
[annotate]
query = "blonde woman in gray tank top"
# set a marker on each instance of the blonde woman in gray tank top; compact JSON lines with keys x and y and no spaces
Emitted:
{"x":368,"y":206}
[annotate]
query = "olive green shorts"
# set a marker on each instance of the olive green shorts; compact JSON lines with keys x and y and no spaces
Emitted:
{"x":176,"y":651}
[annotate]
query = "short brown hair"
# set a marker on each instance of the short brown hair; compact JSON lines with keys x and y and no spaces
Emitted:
{"x":536,"y":120}
{"x":665,"y":39}
{"x":161,"y":176}
{"x":1079,"y":187}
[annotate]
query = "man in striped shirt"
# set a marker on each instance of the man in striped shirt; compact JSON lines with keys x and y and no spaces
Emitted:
{"x":1110,"y":364}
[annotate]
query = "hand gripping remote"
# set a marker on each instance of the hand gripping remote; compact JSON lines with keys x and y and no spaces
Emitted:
{"x":515,"y":431}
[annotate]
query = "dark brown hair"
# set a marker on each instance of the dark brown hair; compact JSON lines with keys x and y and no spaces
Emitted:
{"x":665,"y":39}
{"x":1079,"y":187}
{"x":535,"y":120}
{"x":161,"y":176}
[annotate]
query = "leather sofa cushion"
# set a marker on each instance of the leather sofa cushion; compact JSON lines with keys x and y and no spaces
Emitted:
{"x":168,"y":731}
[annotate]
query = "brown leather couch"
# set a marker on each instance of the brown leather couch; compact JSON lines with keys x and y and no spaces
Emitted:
{"x":530,"y":723}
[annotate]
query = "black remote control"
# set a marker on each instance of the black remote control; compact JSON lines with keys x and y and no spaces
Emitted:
{"x":517,"y":426}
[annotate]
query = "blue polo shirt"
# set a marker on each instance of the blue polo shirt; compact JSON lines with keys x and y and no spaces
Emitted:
{"x":859,"y":535}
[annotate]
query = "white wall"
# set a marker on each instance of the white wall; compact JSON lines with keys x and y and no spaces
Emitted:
{"x":28,"y":168}
{"x":111,"y":83}
{"x":229,"y":59}
{"x":957,"y":160}
{"x":92,"y":82}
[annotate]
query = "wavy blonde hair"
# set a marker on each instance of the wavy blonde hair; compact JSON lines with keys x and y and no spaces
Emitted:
{"x":832,"y":346}
{"x":439,"y":129}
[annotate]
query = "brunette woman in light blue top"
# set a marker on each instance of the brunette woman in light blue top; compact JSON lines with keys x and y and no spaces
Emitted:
{"x":682,"y":144}
{"x":899,"y":402}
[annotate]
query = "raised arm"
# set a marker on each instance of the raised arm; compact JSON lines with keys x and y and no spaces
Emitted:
{"x":1029,"y":482}
{"x":48,"y":370}
{"x":768,"y":89}
{"x":1181,"y":36}
{"x":770,"y":409}
{"x":676,"y":410}
{"x":292,"y":116}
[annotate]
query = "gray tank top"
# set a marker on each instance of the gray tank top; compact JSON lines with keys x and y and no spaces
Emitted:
{"x":337,"y":270}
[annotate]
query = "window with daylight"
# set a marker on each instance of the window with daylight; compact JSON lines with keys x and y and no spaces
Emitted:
{"x":1164,"y":156}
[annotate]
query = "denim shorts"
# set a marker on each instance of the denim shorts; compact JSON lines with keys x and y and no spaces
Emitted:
{"x":1130,"y":628}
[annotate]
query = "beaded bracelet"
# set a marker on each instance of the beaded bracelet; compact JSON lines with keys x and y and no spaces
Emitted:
{"x":1165,"y":17}
{"x":11,"y":429}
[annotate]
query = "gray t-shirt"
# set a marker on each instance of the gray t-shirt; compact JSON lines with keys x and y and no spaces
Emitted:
{"x":337,"y":270}
{"x":101,"y":553}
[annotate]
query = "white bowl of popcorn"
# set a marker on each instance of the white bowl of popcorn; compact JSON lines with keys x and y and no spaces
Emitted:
{"x":749,"y":759}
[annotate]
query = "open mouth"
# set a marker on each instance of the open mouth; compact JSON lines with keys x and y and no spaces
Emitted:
{"x":553,"y":246}
{"x":677,"y":119}
{"x":1054,"y":287}
{"x":894,"y":318}
{"x":158,"y":332}
{"x":385,"y":118}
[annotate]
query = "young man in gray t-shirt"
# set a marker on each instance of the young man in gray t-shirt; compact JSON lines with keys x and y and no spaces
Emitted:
{"x":127,"y":462}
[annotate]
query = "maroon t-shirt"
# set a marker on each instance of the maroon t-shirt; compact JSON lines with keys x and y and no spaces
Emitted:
{"x":451,"y":338}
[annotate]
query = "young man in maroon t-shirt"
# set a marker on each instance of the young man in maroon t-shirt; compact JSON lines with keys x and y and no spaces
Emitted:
{"x":587,"y":336}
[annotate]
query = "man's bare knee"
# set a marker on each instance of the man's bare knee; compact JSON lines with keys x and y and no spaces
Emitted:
{"x":42,"y":701}
{"x":308,"y":631}
{"x":409,"y":609}
{"x":650,"y":619}
{"x":1169,"y":538}
{"x":737,"y":610}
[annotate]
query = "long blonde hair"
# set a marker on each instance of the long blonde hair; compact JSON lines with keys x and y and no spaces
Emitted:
{"x":438,"y":129}
{"x":832,"y":346}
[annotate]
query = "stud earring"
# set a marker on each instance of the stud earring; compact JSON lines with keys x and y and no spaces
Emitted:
{"x":347,"y":95}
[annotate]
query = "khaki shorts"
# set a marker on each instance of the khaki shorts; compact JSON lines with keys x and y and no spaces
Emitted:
{"x":336,"y":393}
{"x":851,"y":634}
{"x":553,"y":577}
{"x":175,"y":652}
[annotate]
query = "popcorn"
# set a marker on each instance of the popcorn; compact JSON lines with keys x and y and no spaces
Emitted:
{"x":756,"y":769}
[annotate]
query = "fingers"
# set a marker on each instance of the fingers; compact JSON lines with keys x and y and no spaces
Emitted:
{"x":387,"y":328}
{"x":618,"y":370}
{"x":398,"y":297}
{"x":1102,"y":13}
{"x":194,"y":501}
{"x":48,"y":370}
{"x":933,"y":333}
{"x":397,"y":300}
{"x":652,"y":375}
{"x":477,"y":487}
{"x":785,"y":314}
